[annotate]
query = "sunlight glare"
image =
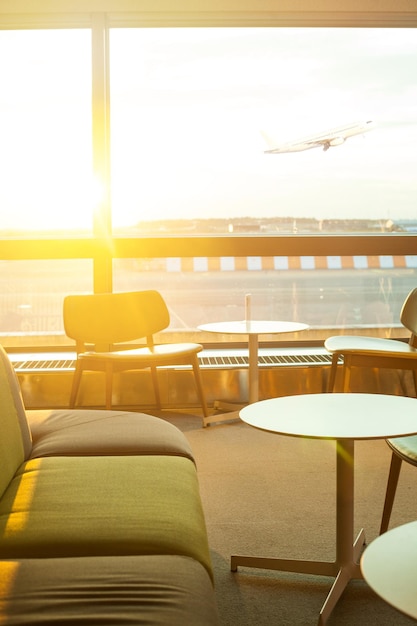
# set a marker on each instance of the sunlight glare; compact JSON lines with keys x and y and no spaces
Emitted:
{"x":45,"y":129}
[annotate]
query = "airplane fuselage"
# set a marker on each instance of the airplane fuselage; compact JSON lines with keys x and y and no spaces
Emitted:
{"x":325,"y":140}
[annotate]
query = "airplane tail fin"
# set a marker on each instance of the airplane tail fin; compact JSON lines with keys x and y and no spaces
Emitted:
{"x":270,"y":142}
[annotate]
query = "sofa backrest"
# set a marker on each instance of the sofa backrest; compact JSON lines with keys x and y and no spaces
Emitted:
{"x":15,"y":437}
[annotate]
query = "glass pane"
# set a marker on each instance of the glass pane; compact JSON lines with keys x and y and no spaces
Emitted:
{"x":191,"y":109}
{"x":31,"y":299}
{"x":45,"y":130}
{"x":328,"y":293}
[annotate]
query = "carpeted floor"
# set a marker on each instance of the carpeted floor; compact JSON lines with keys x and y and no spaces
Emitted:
{"x":269,"y":495}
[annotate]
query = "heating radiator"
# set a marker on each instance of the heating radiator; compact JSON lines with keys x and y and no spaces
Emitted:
{"x":46,"y":379}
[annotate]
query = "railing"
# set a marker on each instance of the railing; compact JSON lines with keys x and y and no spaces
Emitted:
{"x":210,"y":246}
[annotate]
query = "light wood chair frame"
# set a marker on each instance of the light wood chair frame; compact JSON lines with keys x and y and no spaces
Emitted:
{"x":375,"y":352}
{"x":102,"y":326}
{"x":389,"y":354}
{"x":403,"y":449}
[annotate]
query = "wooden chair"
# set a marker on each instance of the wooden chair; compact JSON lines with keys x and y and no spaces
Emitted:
{"x":403,"y":449}
{"x":358,"y":351}
{"x":102,"y":325}
{"x":382,"y":353}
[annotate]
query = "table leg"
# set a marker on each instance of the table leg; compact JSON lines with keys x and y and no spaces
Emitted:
{"x":348,"y":551}
{"x":253,"y":386}
{"x":253,"y":371}
{"x":344,"y":500}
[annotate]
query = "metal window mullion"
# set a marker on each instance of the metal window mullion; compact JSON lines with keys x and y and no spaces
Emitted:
{"x":101,"y":152}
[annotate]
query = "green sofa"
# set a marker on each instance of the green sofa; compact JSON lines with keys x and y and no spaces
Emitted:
{"x":101,"y":520}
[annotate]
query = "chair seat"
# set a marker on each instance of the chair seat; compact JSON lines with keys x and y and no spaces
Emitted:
{"x":369,"y":345}
{"x":405,"y":447}
{"x":158,"y":353}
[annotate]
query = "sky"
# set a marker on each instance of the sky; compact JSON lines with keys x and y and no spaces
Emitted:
{"x":187,"y":110}
{"x":205,"y":97}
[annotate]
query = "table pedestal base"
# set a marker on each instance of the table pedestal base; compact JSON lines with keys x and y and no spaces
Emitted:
{"x":224,"y":406}
{"x":253,"y":378}
{"x":222,"y":417}
{"x":344,"y":572}
{"x":348,"y":552}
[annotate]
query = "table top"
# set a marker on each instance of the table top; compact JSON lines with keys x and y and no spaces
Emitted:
{"x":389,"y":566}
{"x":335,"y":416}
{"x":253,"y":327}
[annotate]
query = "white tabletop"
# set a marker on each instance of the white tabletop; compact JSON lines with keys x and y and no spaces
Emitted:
{"x":389,"y":566}
{"x":335,"y":415}
{"x":255,"y":327}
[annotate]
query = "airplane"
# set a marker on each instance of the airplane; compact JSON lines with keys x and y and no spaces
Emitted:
{"x":325,"y":140}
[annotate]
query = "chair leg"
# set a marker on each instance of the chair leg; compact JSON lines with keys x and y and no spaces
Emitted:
{"x":415,"y":382}
{"x":333,"y":371}
{"x":394,"y":474}
{"x":200,"y":388}
{"x":346,"y":372}
{"x":75,"y":384}
{"x":346,"y":377}
{"x":155,"y":383}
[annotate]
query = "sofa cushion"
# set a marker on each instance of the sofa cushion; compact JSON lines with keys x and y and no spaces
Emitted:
{"x":15,"y":441}
{"x":86,"y":506}
{"x":77,"y":432}
{"x":152,"y":590}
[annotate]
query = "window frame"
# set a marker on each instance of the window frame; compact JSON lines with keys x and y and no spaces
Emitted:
{"x":100,"y":16}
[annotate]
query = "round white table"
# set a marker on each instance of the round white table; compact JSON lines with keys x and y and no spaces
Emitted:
{"x":389,"y":566}
{"x":343,"y":417}
{"x":253,"y":329}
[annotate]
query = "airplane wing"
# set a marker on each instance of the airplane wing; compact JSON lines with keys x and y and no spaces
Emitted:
{"x":332,"y":141}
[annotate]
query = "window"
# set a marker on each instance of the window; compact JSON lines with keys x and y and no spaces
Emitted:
{"x":189,"y":108}
{"x":31,"y":301}
{"x":189,"y":111}
{"x":45,"y":129}
{"x":362,"y":293}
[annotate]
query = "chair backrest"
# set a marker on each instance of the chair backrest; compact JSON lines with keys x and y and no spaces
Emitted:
{"x":408,"y":315}
{"x":114,"y":318}
{"x":15,"y":437}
